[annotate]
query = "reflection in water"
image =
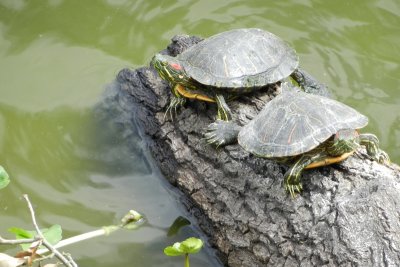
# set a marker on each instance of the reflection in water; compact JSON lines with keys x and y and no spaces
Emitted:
{"x":64,"y":138}
{"x":84,"y":169}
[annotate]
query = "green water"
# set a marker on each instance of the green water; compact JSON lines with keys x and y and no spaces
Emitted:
{"x":57,"y":56}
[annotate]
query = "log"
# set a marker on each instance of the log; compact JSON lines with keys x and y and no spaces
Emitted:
{"x":347,"y":215}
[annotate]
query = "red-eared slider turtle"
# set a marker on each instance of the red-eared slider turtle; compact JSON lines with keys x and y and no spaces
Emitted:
{"x":304,"y":130}
{"x":231,"y":62}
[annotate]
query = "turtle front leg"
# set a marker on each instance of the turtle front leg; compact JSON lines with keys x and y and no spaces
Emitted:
{"x":371,"y":143}
{"x":176,"y":101}
{"x":224,"y":112}
{"x":223,"y":131}
{"x":292,"y":177}
{"x":220,"y":133}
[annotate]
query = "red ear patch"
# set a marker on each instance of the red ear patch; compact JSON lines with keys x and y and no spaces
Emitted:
{"x":176,"y":66}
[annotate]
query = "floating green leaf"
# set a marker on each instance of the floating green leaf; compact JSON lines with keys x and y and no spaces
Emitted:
{"x":173,"y":250}
{"x":189,"y":246}
{"x":192,"y":245}
{"x":4,"y":178}
{"x":53,"y":235}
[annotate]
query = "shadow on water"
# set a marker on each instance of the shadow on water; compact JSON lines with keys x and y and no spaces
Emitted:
{"x":84,"y":169}
{"x":100,"y":144}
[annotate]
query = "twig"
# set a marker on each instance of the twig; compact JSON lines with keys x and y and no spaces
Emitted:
{"x":74,"y":239}
{"x":130,"y":221}
{"x":64,"y":260}
{"x":18,"y":241}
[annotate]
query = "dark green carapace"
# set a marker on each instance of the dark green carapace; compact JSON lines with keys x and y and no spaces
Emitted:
{"x":304,"y":130}
{"x":229,"y":63}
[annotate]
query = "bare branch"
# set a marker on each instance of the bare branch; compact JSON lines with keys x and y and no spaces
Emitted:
{"x":64,"y":260}
{"x":18,"y":241}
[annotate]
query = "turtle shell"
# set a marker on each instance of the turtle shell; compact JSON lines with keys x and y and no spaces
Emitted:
{"x":296,"y":122}
{"x":240,"y":58}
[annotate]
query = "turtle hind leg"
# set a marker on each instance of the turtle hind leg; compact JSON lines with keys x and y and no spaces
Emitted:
{"x":291,"y":180}
{"x":292,"y":177}
{"x":371,"y":143}
{"x":220,"y":133}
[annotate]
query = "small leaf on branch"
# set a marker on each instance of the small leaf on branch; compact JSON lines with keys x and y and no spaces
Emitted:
{"x":53,"y":235}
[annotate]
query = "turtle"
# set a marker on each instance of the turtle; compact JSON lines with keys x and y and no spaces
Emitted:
{"x":229,"y":63}
{"x":305,"y":131}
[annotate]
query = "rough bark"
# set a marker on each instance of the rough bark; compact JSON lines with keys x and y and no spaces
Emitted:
{"x":347,"y":215}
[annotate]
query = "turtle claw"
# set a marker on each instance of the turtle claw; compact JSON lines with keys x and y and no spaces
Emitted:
{"x":293,"y":189}
{"x":371,"y":143}
{"x":292,"y":184}
{"x":174,"y":105}
{"x":214,"y":141}
{"x":221,"y":133}
{"x":382,"y":157}
{"x":168,"y":112}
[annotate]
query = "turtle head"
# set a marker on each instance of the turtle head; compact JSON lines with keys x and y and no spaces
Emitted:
{"x":169,"y":68}
{"x":344,"y":141}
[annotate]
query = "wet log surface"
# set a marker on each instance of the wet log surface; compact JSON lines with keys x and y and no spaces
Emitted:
{"x":347,"y":215}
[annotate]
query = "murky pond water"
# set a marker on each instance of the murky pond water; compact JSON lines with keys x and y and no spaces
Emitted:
{"x":83,"y":171}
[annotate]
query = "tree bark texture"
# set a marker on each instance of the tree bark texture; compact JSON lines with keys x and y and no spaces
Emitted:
{"x":347,"y":215}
